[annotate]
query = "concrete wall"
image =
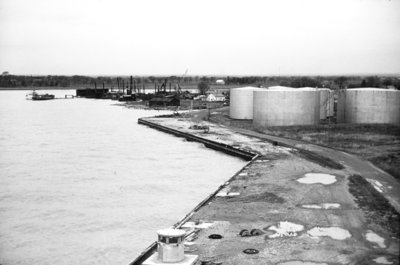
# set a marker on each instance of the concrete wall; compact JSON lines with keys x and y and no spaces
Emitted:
{"x":241,"y":102}
{"x":286,"y":107}
{"x":369,"y":105}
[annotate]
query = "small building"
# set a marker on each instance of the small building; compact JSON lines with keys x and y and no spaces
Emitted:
{"x":163,"y":102}
{"x":220,"y":82}
{"x":91,"y":93}
{"x":213,"y":97}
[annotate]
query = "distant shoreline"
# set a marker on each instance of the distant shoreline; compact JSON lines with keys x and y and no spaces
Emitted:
{"x":36,"y":88}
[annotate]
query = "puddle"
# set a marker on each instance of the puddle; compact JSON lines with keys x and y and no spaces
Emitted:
{"x":243,"y":174}
{"x":227,"y":194}
{"x":314,"y":178}
{"x":376,"y":184}
{"x":374,"y":238}
{"x":311,"y":206}
{"x":333,"y":232}
{"x":299,"y":262}
{"x":194,"y":225}
{"x":325,"y":206}
{"x":382,"y":260}
{"x":285,"y":229}
{"x":330,"y":205}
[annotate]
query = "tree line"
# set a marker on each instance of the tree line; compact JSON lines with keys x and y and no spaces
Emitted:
{"x":9,"y":81}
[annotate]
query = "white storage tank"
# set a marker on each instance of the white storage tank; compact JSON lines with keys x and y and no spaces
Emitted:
{"x":286,"y":107}
{"x":369,"y":105}
{"x":241,"y":102}
{"x":317,"y":107}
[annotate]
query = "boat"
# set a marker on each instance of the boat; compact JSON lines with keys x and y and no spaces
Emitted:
{"x":36,"y":96}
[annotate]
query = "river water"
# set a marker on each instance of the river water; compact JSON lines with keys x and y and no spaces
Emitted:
{"x":82,"y":183}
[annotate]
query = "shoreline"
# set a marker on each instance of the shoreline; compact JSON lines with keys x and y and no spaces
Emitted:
{"x":205,"y":212}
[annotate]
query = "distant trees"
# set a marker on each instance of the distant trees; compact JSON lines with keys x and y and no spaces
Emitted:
{"x":371,"y":81}
{"x":304,"y":82}
{"x":340,"y":81}
{"x":203,"y":87}
{"x":245,"y":80}
{"x":7,"y":80}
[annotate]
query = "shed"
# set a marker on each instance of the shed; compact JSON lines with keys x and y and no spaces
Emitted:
{"x":163,"y":102}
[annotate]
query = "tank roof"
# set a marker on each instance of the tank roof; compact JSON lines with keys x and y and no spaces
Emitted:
{"x":323,"y":88}
{"x":280,"y":88}
{"x":284,"y":88}
{"x":307,"y":88}
{"x":371,"y":89}
{"x":248,"y":88}
{"x":171,"y":232}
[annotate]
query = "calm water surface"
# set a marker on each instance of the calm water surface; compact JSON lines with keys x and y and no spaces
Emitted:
{"x":82,"y":183}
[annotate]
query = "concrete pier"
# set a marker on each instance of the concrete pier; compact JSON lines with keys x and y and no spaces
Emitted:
{"x":285,"y":207}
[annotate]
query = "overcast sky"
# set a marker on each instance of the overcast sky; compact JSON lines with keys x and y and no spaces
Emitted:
{"x":157,"y":37}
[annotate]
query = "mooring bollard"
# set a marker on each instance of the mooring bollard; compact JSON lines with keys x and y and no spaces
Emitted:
{"x":170,"y":245}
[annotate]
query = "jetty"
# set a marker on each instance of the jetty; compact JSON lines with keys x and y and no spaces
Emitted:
{"x":292,"y":203}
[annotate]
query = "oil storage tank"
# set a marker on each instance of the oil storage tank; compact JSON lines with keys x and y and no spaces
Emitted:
{"x":369,"y":105}
{"x":286,"y":107}
{"x":241,"y":102}
{"x":317,"y":106}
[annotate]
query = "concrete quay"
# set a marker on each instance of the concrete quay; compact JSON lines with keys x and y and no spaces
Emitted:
{"x":287,"y":206}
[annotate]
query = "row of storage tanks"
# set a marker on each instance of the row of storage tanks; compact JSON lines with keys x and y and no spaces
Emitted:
{"x":286,"y":106}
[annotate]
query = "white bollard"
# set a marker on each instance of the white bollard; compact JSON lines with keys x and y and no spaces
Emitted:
{"x":170,"y":245}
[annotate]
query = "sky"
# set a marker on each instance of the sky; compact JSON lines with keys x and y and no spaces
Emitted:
{"x":204,"y":37}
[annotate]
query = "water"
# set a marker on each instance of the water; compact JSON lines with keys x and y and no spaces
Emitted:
{"x":82,"y":183}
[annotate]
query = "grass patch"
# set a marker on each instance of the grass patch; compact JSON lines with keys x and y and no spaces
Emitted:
{"x":376,"y":208}
{"x":377,"y":143}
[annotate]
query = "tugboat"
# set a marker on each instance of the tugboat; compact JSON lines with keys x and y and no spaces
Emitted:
{"x":36,"y":96}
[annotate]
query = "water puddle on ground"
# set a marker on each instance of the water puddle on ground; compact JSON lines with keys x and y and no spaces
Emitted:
{"x":227,"y":194}
{"x":285,"y":229}
{"x":374,"y":238}
{"x":333,"y":232}
{"x":382,"y":260}
{"x":325,"y":206}
{"x":197,"y":225}
{"x":299,"y":262}
{"x":376,"y":184}
{"x":317,"y":178}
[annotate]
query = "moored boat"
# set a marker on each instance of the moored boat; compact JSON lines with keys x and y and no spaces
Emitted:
{"x":36,"y":96}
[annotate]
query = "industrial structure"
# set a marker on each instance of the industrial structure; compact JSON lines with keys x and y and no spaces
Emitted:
{"x":326,"y":102}
{"x":241,"y":102}
{"x":369,"y":105}
{"x":286,"y":107}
